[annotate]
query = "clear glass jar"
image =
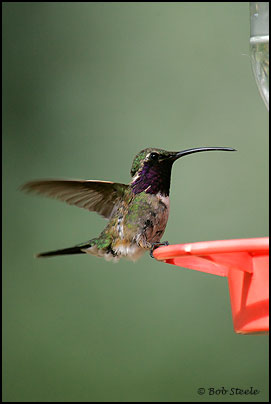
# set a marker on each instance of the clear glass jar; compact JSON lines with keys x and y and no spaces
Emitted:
{"x":259,"y":46}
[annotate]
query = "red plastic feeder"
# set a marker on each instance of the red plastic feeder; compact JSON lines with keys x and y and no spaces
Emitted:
{"x":246,"y":264}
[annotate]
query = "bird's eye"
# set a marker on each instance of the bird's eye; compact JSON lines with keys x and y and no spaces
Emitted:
{"x":154,"y":156}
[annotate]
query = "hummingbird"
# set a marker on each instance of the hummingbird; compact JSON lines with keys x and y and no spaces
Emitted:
{"x":137,"y":212}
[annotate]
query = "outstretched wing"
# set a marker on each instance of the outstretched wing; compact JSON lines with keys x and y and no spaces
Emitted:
{"x":98,"y":196}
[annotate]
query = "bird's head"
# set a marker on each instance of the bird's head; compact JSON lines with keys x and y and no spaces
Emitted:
{"x":151,"y":168}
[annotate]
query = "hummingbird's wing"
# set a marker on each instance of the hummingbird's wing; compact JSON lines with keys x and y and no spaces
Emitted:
{"x":98,"y":196}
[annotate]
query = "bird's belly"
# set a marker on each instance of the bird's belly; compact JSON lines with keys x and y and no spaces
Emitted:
{"x":131,"y":251}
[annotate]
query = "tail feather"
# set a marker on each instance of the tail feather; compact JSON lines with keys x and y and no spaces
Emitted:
{"x":64,"y":251}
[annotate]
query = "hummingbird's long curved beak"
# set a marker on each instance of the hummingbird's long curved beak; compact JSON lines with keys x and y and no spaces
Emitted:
{"x":199,"y":149}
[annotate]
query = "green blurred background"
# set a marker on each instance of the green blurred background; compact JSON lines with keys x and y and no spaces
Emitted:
{"x":85,"y":87}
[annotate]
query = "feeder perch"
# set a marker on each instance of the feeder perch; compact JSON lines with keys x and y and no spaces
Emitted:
{"x":245,"y":262}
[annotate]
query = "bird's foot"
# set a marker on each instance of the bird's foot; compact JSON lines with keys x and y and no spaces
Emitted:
{"x":156,"y":245}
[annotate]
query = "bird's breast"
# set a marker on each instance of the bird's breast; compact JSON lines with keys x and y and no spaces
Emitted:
{"x":158,"y":219}
{"x":164,"y":200}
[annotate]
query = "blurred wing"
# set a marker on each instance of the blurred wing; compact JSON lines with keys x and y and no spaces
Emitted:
{"x":98,"y":196}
